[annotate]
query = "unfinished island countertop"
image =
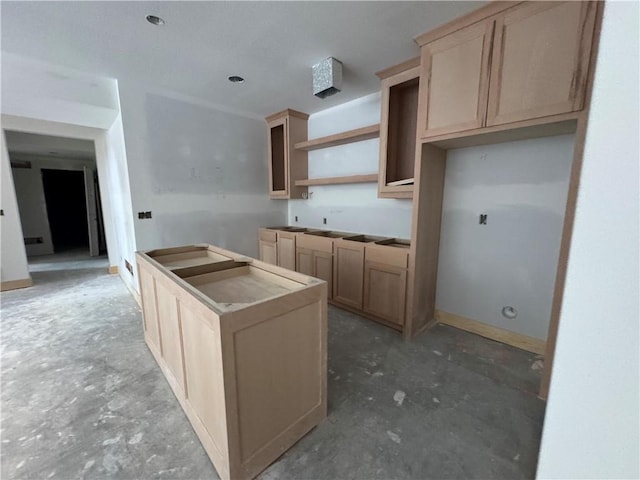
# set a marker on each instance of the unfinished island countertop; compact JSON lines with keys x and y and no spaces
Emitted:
{"x":243,"y":345}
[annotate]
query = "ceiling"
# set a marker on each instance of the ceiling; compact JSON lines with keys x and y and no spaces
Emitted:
{"x":273,"y":45}
{"x":22,"y":144}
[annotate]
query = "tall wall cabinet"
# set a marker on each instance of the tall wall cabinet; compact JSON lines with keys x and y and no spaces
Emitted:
{"x":286,"y":164}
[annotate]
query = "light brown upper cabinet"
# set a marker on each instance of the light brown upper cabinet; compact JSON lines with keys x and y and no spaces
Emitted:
{"x":286,"y":164}
{"x":540,"y":60}
{"x":455,"y":72}
{"x":398,"y":122}
{"x":520,"y":62}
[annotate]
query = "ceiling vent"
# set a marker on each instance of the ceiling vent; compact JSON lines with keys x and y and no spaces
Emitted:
{"x":327,"y":77}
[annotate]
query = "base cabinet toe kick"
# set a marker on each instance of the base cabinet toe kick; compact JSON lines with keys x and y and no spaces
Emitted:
{"x":243,"y":345}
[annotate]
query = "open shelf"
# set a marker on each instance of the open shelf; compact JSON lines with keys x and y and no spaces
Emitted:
{"x":357,"y":135}
{"x":372,"y":178}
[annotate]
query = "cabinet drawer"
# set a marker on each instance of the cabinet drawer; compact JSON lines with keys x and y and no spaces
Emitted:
{"x":314,"y":242}
{"x":385,"y":255}
{"x":267,"y":235}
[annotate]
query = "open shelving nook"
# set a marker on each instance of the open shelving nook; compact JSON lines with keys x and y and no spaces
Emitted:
{"x":371,"y":178}
{"x":398,"y":123}
{"x":351,"y":136}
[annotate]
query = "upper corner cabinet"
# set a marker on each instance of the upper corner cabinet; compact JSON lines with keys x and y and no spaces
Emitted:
{"x":540,"y":61}
{"x":524,"y":62}
{"x":398,"y":122}
{"x":455,"y":80}
{"x":286,"y":165}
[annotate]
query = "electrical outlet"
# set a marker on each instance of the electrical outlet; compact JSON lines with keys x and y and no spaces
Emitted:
{"x":483,"y":219}
{"x":129,"y":267}
{"x":140,"y":215}
{"x":296,"y":218}
{"x":147,"y":214}
{"x":1,"y":213}
{"x":324,"y":220}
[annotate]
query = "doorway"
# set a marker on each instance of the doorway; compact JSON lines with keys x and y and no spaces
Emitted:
{"x":57,"y":192}
{"x":64,"y":191}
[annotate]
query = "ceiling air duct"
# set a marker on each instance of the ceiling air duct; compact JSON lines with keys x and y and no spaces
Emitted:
{"x":327,"y":77}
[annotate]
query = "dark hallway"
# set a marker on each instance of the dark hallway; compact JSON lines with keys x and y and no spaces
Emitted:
{"x":66,"y":208}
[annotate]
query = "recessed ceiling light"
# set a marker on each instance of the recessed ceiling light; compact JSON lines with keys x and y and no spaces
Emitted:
{"x":155,"y":20}
{"x":236,"y":79}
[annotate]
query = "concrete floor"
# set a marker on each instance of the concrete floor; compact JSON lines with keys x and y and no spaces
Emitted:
{"x":82,"y":396}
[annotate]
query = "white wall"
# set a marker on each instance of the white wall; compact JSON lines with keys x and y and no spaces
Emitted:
{"x":33,"y":209}
{"x":511,"y":261}
{"x":13,"y":264}
{"x":35,"y":89}
{"x":592,"y":421}
{"x":31,"y":198}
{"x":201,"y":171}
{"x":46,"y":99}
{"x":112,"y":158}
{"x":355,"y":207}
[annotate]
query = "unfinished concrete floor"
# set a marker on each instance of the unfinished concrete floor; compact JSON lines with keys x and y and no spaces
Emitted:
{"x":82,"y":396}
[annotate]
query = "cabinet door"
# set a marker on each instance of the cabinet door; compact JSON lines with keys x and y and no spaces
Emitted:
{"x":149,"y":309}
{"x":269,"y":252}
{"x":540,"y":60}
{"x":304,"y":261}
{"x":455,"y":83}
{"x":385,"y":289}
{"x":171,"y":329}
{"x":287,"y":250}
{"x":278,"y":159}
{"x":348,"y":273}
{"x":323,"y":269}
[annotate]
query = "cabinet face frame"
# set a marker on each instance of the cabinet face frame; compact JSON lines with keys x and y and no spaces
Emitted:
{"x":483,"y":30}
{"x":387,"y":136}
{"x":579,"y":66}
{"x":273,"y":126}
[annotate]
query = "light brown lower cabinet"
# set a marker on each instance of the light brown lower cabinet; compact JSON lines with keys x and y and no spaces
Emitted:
{"x":314,"y":257}
{"x":304,"y":261}
{"x":243,"y":345}
{"x":287,"y":249}
{"x":348,"y":273}
{"x":385,"y":281}
{"x":364,"y":274}
{"x":268,"y":246}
